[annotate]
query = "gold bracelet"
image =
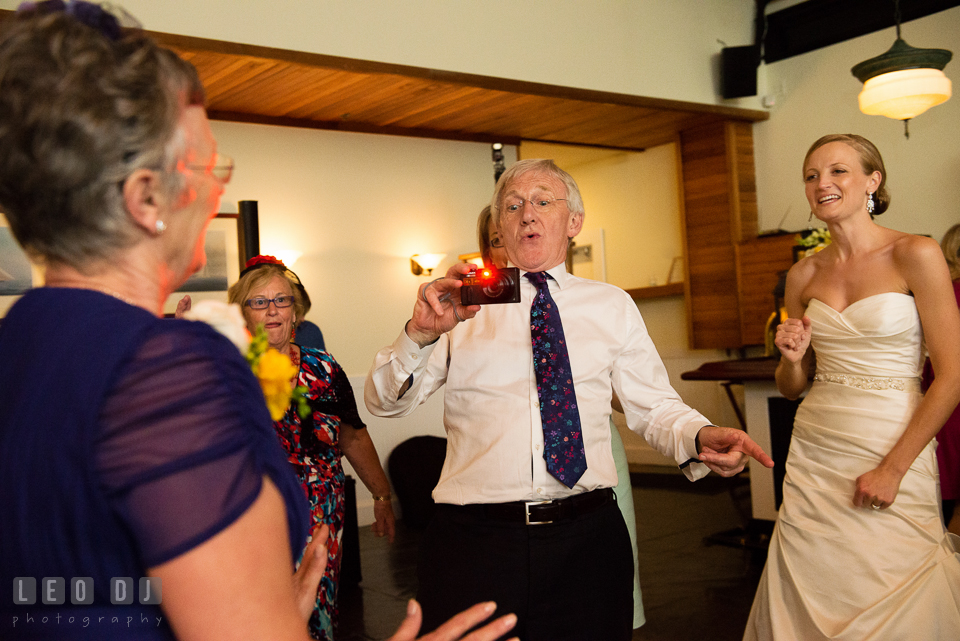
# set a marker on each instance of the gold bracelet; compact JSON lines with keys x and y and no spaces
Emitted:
{"x":382,"y":498}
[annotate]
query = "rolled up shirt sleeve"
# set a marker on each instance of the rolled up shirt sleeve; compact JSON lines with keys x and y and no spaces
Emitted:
{"x":652,"y":407}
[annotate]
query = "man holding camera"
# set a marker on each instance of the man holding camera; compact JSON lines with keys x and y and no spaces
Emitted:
{"x":525,"y":511}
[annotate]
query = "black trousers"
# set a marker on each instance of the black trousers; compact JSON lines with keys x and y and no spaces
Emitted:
{"x":571,"y":580}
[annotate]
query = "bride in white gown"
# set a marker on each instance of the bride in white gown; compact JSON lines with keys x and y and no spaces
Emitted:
{"x":860,"y":551}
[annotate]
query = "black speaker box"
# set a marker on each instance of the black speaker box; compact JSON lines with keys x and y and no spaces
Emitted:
{"x":738,"y":71}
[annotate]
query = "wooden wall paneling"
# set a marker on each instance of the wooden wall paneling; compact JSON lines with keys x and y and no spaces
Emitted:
{"x":719,"y":208}
{"x":759,"y":262}
{"x":681,"y":201}
{"x":743,"y":182}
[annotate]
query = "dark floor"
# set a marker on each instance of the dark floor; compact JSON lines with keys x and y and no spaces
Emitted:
{"x":691,"y":589}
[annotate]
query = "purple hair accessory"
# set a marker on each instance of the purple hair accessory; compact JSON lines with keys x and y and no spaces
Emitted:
{"x":108,"y":20}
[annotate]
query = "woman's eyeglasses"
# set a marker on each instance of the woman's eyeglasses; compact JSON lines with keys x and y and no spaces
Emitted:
{"x":221,"y":168}
{"x":263,"y":303}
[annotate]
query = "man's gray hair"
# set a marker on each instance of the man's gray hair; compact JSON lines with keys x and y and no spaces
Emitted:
{"x":521,"y":167}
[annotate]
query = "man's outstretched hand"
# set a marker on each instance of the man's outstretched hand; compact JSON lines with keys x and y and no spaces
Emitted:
{"x":726,"y":450}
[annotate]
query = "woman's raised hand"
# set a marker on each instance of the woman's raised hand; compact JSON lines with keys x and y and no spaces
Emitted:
{"x":793,"y":338}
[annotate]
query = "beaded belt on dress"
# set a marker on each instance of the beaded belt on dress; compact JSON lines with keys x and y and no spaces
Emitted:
{"x":905,"y":384}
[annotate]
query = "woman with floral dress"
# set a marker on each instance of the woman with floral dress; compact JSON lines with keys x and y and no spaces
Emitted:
{"x":331,"y":427}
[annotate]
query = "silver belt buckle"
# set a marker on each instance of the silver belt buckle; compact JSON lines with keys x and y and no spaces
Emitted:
{"x":526,"y":506}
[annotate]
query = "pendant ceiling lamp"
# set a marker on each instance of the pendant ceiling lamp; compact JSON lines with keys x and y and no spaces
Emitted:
{"x":903,"y":82}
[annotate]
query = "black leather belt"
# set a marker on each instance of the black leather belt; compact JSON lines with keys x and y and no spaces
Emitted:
{"x":543,"y":512}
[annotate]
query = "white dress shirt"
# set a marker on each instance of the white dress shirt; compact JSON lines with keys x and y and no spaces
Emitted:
{"x":491,"y":408}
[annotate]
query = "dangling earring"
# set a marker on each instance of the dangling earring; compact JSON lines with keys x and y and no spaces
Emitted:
{"x":870,"y":205}
{"x":810,"y":220}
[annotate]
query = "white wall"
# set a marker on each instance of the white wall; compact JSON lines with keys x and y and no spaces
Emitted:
{"x":634,"y":197}
{"x":817,"y":95}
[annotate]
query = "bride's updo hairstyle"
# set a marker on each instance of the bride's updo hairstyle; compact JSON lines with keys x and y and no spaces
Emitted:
{"x":870,"y":161}
{"x":83,"y":104}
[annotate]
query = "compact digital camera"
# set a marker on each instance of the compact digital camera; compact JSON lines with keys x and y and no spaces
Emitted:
{"x":491,"y":286}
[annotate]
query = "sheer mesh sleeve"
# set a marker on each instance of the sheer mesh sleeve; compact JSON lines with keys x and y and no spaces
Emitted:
{"x":186,"y":441}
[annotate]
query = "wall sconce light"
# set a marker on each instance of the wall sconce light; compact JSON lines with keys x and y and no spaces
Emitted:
{"x":288,"y":256}
{"x":424,"y":263}
{"x":903,"y":82}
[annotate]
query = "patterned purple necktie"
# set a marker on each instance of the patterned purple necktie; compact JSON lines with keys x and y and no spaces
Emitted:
{"x":562,"y":439}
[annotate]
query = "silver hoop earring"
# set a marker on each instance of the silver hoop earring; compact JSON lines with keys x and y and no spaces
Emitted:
{"x":870,"y":205}
{"x":161,"y":227}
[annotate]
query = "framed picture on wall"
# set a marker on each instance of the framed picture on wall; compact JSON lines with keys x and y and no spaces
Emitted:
{"x":223,"y":264}
{"x":17,"y":274}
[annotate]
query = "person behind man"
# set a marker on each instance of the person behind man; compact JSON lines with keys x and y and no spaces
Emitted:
{"x":525,"y":512}
{"x":492,"y":252}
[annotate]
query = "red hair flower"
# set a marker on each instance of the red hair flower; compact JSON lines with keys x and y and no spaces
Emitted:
{"x":263,"y":259}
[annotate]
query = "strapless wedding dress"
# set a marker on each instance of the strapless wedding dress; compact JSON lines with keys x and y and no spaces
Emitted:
{"x":835,"y":571}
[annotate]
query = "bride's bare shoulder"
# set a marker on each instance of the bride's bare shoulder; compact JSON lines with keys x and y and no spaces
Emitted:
{"x":913,"y":250}
{"x":803,"y":271}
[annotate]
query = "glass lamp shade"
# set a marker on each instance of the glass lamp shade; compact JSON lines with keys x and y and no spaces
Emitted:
{"x":424,"y":263}
{"x":904,"y":94}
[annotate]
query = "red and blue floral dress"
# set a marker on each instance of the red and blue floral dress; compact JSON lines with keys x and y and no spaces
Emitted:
{"x":312,"y":446}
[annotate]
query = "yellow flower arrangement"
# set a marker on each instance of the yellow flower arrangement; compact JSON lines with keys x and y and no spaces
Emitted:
{"x":814,"y":240}
{"x":275,"y":373}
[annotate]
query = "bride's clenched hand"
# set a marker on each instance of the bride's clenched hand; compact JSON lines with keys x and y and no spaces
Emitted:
{"x":793,"y":338}
{"x":878,"y":488}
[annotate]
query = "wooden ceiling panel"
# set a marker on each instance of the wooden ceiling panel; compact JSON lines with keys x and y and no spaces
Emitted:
{"x":275,"y":86}
{"x":469,"y":105}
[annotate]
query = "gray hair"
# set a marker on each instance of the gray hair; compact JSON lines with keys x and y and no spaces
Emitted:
{"x":80,"y":112}
{"x":521,"y":167}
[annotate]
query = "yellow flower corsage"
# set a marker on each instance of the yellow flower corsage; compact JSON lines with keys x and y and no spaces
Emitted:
{"x":273,"y":370}
{"x":275,"y":373}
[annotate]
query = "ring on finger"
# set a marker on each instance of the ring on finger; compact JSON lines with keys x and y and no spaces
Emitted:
{"x":457,"y":314}
{"x":875,"y":506}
